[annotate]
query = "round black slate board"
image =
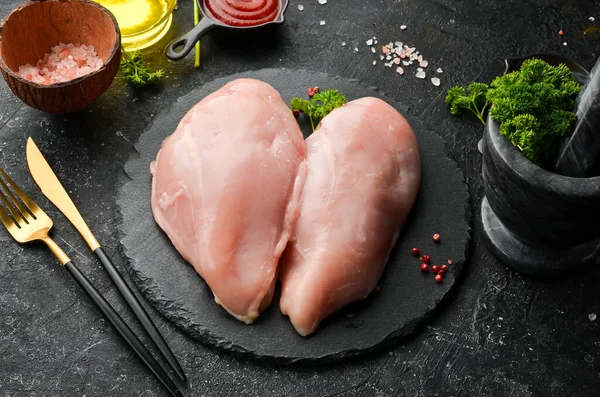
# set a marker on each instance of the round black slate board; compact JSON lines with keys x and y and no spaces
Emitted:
{"x":407,"y":296}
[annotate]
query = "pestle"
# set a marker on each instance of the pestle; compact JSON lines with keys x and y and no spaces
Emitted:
{"x":580,"y":153}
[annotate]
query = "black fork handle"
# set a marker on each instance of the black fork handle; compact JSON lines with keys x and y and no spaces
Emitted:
{"x":122,"y":328}
{"x":139,"y":311}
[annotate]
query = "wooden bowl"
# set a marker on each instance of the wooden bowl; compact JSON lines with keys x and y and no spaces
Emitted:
{"x":30,"y":31}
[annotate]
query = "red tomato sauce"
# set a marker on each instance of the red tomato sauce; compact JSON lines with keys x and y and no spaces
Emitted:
{"x":243,"y":12}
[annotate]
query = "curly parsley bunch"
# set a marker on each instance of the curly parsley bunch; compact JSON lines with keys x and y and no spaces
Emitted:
{"x":533,"y":106}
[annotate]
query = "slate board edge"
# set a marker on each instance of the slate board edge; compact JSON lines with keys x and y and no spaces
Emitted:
{"x":153,"y":293}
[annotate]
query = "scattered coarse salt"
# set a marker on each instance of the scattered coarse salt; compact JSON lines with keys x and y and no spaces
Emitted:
{"x":343,"y":44}
{"x":322,"y":1}
{"x":65,"y":62}
{"x":565,"y":43}
{"x":322,"y":23}
{"x":397,"y":53}
{"x":374,"y":62}
{"x":370,"y":42}
{"x":592,"y":19}
{"x":355,"y":49}
{"x":300,"y":7}
{"x":403,"y":27}
{"x":373,"y":50}
{"x":592,"y":316}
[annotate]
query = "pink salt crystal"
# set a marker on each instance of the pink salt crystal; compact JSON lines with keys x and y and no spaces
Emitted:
{"x":65,"y":62}
{"x":384,"y":49}
{"x":397,"y":61}
{"x":423,"y":64}
{"x":399,"y":70}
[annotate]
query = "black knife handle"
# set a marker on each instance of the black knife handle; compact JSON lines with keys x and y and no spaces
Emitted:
{"x":122,"y":328}
{"x":139,"y":311}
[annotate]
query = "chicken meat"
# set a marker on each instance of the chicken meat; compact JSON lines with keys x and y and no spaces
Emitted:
{"x":363,"y":177}
{"x":226,"y":188}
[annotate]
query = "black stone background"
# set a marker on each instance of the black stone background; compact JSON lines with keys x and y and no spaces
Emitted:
{"x":502,"y":335}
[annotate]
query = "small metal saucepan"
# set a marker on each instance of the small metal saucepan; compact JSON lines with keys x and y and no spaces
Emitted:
{"x":181,"y":47}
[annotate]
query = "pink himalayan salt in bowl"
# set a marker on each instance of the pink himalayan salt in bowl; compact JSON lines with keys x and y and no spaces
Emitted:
{"x":35,"y":27}
{"x":66,"y":62}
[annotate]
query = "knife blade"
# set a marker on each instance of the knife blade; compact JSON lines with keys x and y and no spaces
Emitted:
{"x":51,"y":187}
{"x":55,"y":192}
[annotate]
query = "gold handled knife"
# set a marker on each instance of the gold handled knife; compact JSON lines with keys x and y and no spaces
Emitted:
{"x":56,"y":193}
{"x":52,"y":188}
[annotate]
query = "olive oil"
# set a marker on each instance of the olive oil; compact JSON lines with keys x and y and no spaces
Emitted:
{"x":142,"y":22}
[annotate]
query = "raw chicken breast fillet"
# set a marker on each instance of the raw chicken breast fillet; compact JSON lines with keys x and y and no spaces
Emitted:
{"x":363,"y":176}
{"x":226,"y":189}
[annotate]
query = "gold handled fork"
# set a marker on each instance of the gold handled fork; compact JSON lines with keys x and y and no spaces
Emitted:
{"x":27,"y":222}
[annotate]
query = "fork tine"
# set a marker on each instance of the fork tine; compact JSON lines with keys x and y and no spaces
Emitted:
{"x":6,"y":219}
{"x":17,"y":216}
{"x":29,"y":203}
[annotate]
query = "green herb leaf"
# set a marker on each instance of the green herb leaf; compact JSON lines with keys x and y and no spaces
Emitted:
{"x":475,"y":100}
{"x":135,"y":71}
{"x":320,"y":105}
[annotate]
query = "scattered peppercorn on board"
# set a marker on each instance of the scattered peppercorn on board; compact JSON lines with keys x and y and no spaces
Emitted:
{"x":407,"y":296}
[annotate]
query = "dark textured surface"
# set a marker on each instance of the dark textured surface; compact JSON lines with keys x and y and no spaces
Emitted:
{"x":407,"y":297}
{"x":502,"y":335}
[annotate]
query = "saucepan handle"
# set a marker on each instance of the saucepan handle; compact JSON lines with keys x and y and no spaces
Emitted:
{"x":188,"y":40}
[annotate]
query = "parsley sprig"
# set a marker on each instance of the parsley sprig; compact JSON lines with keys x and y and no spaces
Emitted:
{"x":320,"y":105}
{"x":473,"y":98}
{"x":135,"y":71}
